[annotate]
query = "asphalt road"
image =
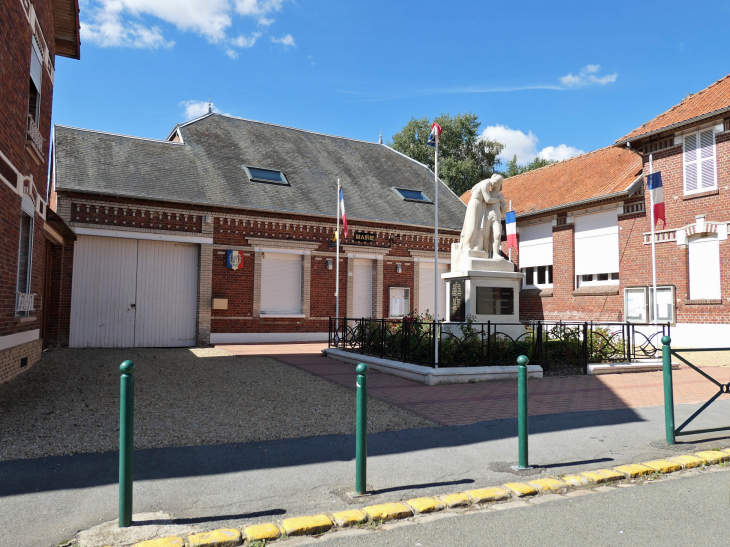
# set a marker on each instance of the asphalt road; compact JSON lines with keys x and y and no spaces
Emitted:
{"x":683,"y":511}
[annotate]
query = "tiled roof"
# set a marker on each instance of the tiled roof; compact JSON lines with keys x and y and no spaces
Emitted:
{"x":590,"y":176}
{"x":711,"y":99}
{"x":207,"y":170}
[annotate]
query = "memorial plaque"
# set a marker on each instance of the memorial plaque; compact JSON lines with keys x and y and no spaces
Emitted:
{"x":364,"y":237}
{"x":457,"y":302}
{"x":495,"y":301}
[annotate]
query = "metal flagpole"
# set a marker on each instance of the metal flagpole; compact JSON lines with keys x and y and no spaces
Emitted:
{"x":337,"y":261}
{"x":436,"y":257}
{"x":653,"y":247}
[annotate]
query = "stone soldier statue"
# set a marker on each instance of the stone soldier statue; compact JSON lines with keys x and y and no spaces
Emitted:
{"x":482,"y":230}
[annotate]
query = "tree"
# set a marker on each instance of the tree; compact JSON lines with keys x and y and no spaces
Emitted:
{"x":513,"y":169}
{"x":464,"y":157}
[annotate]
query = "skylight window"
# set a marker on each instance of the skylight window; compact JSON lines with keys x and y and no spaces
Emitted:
{"x":412,"y":195}
{"x":256,"y":174}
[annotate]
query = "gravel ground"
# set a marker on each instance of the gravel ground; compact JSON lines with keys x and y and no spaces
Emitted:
{"x":706,"y":358}
{"x":69,"y":402}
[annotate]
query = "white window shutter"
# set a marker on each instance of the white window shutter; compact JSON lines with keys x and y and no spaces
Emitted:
{"x":596,"y":243}
{"x":704,"y":269}
{"x":536,"y":245}
{"x":36,"y":68}
{"x":707,"y":158}
{"x":690,"y":163}
{"x":281,"y":284}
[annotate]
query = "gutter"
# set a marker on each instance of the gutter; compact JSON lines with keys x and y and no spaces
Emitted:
{"x":673,"y":126}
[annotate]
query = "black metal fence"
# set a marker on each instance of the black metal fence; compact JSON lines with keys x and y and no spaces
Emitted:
{"x":546,"y":343}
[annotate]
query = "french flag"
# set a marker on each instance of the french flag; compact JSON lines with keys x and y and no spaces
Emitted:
{"x":342,"y":211}
{"x":510,"y":220}
{"x":435,"y":135}
{"x":656,"y":191}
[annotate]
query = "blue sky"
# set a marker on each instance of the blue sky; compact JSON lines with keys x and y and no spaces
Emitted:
{"x":538,"y":74}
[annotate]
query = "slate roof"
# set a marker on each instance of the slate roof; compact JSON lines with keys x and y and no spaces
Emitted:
{"x":712,"y":100}
{"x":206,"y":170}
{"x":587,"y":177}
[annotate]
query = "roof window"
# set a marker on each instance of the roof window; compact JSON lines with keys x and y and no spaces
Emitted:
{"x":256,"y":174}
{"x":412,"y":195}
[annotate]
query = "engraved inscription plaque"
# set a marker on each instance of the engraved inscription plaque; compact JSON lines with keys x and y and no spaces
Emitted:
{"x":456,"y":301}
{"x":495,"y":301}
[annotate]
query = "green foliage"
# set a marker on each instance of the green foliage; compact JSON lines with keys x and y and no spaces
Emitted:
{"x":464,"y":157}
{"x":513,"y":169}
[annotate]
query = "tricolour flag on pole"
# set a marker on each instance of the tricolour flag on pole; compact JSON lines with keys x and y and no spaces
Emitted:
{"x":510,"y":221}
{"x":656,"y":190}
{"x":342,"y":211}
{"x":435,"y":135}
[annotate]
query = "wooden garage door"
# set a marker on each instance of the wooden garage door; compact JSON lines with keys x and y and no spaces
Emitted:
{"x":133,"y":293}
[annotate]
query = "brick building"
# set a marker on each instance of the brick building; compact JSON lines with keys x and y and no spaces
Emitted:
{"x":584,"y":226}
{"x":33,"y":34}
{"x":223,"y":233}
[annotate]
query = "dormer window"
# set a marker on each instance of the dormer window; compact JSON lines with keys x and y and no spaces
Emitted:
{"x":412,"y":195}
{"x":257,"y":174}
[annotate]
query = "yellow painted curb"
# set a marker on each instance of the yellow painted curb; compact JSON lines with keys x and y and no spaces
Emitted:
{"x":455,"y":500}
{"x":548,"y":484}
{"x":634,"y":470}
{"x":663,"y":466}
{"x":350,"y":518}
{"x":388,"y":511}
{"x":575,"y":480}
{"x":520,"y":489}
{"x":687,"y":462}
{"x":488,"y":494}
{"x":225,"y":537}
{"x":603,"y":475}
{"x":169,"y":541}
{"x":259,"y":532}
{"x":713,"y":456}
{"x":426,"y":505}
{"x":302,"y":526}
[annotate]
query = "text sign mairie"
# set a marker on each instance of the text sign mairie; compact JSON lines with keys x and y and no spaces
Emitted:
{"x":364,"y":237}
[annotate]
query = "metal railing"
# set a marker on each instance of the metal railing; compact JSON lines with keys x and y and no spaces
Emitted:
{"x":470,"y":344}
{"x":24,"y":302}
{"x":33,"y":135}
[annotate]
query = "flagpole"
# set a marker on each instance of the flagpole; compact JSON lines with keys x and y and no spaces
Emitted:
{"x":436,"y":257}
{"x":337,"y":261}
{"x":653,"y":247}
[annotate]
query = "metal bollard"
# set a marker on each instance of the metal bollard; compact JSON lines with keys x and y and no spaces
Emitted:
{"x":668,"y":389}
{"x":361,"y":430}
{"x":126,"y":442}
{"x":522,"y":414}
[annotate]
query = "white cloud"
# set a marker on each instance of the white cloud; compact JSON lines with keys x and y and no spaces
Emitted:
{"x":194,"y":109}
{"x":285,"y":41}
{"x":588,"y":75}
{"x":110,"y":23}
{"x":524,"y":146}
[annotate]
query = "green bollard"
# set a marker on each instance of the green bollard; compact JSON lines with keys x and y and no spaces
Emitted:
{"x":668,"y":389}
{"x":361,"y":430}
{"x":522,"y":415}
{"x":126,"y":442}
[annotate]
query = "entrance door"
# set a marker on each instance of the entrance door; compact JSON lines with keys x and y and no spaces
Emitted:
{"x":362,"y":292}
{"x":133,"y":293}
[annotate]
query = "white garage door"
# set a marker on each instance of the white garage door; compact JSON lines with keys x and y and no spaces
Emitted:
{"x":362,"y":288}
{"x":425,"y":288}
{"x":133,"y":293}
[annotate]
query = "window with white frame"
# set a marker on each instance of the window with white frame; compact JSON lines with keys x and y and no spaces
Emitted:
{"x":281,"y":284}
{"x":536,"y":254}
{"x":704,"y":268}
{"x":24,"y":303}
{"x":36,"y":73}
{"x":596,"y":248}
{"x":400,"y":301}
{"x":665,"y":304}
{"x":700,"y":166}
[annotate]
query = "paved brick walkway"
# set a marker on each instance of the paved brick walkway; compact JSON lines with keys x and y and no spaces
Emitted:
{"x":461,"y":404}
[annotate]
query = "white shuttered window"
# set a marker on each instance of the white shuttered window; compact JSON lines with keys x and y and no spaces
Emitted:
{"x":536,"y":245}
{"x":281,"y":284}
{"x":596,"y":243}
{"x":704,"y":269}
{"x":700,"y":167}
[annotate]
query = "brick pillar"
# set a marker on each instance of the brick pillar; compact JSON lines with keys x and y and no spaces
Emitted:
{"x":378,"y":288}
{"x":306,"y":283}
{"x":205,"y":282}
{"x":416,"y":281}
{"x":257,"y":284}
{"x":563,"y":260}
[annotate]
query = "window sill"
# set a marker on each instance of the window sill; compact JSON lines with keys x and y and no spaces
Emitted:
{"x":282,"y":315}
{"x":34,"y":152}
{"x":536,"y":291}
{"x":714,"y":192}
{"x":596,"y":290}
{"x":24,"y":319}
{"x":704,"y":302}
